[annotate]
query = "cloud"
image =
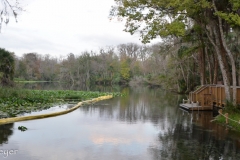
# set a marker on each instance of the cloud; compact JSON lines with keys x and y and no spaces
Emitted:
{"x":58,"y":27}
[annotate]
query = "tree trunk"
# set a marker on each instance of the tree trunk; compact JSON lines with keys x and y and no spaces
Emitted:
{"x":222,"y":65}
{"x":202,"y":61}
{"x":209,"y":66}
{"x":71,"y":77}
{"x":217,"y":47}
{"x":215,"y":70}
{"x":183,"y":73}
{"x":234,"y":79}
{"x":202,"y":66}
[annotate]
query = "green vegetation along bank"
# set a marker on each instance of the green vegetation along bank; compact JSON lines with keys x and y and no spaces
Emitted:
{"x":229,"y":116}
{"x":233,"y":121}
{"x":15,"y":102}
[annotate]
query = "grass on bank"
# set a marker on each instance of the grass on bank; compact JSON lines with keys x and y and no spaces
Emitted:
{"x":234,"y":117}
{"x":18,"y":101}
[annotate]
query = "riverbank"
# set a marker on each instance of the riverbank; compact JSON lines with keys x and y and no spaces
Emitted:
{"x":14,"y":102}
{"x":32,"y":117}
{"x":229,"y":117}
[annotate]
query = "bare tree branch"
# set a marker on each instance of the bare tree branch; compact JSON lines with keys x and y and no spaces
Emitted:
{"x":7,"y":9}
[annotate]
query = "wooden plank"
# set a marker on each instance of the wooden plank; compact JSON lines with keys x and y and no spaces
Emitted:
{"x":217,"y":95}
{"x":194,"y":107}
{"x":238,"y":96}
{"x":220,"y":95}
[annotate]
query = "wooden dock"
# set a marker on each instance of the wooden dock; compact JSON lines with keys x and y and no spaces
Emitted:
{"x":207,"y":96}
{"x":195,"y":107}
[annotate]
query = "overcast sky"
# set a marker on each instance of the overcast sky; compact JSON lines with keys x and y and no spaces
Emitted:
{"x":59,"y":27}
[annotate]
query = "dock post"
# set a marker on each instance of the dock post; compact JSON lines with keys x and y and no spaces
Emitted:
{"x":220,"y":111}
{"x":197,"y":104}
{"x":226,"y":115}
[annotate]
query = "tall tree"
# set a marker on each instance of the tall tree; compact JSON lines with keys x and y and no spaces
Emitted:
{"x":6,"y":67}
{"x":173,"y":18}
{"x":32,"y":61}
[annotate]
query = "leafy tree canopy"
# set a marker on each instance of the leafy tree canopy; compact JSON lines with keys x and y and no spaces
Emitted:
{"x":153,"y":18}
{"x":6,"y":68}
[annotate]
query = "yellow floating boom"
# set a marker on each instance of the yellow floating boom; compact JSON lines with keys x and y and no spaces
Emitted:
{"x":25,"y":118}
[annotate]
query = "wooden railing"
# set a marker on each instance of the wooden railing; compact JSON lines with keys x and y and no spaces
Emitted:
{"x":208,"y":94}
{"x":201,"y":95}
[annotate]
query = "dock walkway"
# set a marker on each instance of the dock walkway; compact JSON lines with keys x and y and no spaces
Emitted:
{"x":195,"y":107}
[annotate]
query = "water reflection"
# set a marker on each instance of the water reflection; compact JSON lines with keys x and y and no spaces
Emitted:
{"x":67,"y":86}
{"x":5,"y":132}
{"x":182,"y":134}
{"x":40,"y":85}
{"x":144,"y":124}
{"x":193,"y":137}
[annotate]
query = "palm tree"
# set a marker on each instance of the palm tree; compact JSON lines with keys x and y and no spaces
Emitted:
{"x":6,"y":68}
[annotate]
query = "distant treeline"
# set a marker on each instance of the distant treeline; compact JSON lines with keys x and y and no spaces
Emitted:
{"x":159,"y":64}
{"x":168,"y":64}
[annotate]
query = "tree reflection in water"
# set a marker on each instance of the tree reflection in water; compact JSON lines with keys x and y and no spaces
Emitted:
{"x":182,"y":135}
{"x":175,"y":134}
{"x":5,"y":131}
{"x":195,"y":137}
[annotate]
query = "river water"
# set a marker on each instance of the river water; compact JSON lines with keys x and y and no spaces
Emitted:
{"x":145,"y":124}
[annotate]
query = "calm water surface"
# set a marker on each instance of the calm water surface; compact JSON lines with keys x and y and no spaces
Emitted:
{"x":147,"y":124}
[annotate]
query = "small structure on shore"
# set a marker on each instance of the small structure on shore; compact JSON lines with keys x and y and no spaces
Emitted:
{"x":206,"y":97}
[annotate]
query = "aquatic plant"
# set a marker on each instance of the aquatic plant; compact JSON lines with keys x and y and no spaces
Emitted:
{"x":14,"y":102}
{"x":22,"y":128}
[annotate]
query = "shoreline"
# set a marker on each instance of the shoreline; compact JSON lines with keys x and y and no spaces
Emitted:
{"x":25,"y":118}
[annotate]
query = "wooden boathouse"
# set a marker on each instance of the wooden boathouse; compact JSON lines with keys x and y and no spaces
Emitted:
{"x":207,"y":96}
